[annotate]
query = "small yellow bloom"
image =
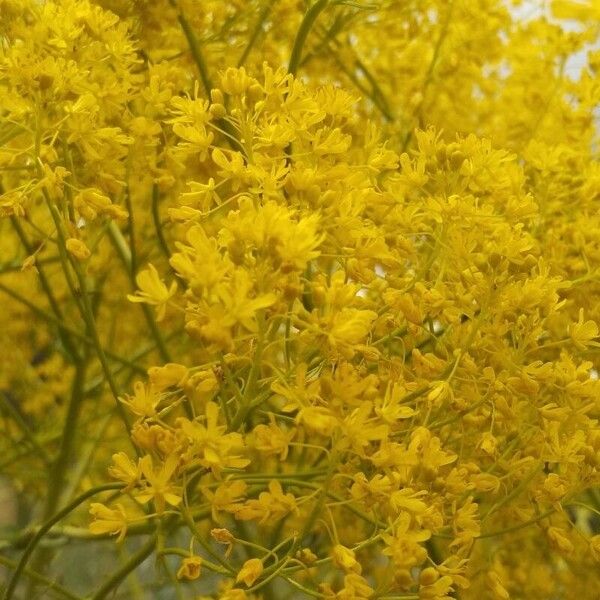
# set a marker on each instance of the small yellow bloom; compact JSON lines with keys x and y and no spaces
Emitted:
{"x":583,"y":333}
{"x":166,"y":376}
{"x":144,"y":401}
{"x":554,"y":487}
{"x":306,"y":556}
{"x":158,"y":483}
{"x":223,"y":536}
{"x":272,"y":440}
{"x":153,"y":291}
{"x":270,"y":506}
{"x":440,"y":390}
{"x":78,"y":249}
{"x":345,"y":559}
{"x":190,"y":568}
{"x":108,"y":520}
{"x":251,"y":570}
{"x":124,"y":469}
{"x":29,"y":262}
{"x":559,"y":541}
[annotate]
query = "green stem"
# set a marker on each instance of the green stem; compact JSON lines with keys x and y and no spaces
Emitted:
{"x":275,"y":573}
{"x":58,"y":589}
{"x":132,"y":249}
{"x":57,"y":473}
{"x":246,"y":401}
{"x":307,"y":22}
{"x":205,"y":563}
{"x":120,"y":575}
{"x":157,"y":224}
{"x":88,"y":317}
{"x":517,"y":527}
{"x":63,"y":334}
{"x":189,"y":521}
{"x":127,"y":257}
{"x":17,"y":265}
{"x":195,"y":49}
{"x":52,"y":319}
{"x":35,"y":540}
{"x":22,"y":424}
{"x":259,"y":25}
{"x":430,"y":70}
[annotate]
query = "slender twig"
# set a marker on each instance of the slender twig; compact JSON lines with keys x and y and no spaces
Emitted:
{"x":64,"y":335}
{"x":52,"y":319}
{"x":88,"y":317}
{"x":57,"y":474}
{"x":35,"y":540}
{"x":126,"y":256}
{"x":195,"y":48}
{"x":17,"y":265}
{"x":157,"y":224}
{"x":431,"y":69}
{"x":264,"y":13}
{"x":307,"y":22}
{"x":121,"y":574}
{"x":58,"y":589}
{"x":22,"y":424}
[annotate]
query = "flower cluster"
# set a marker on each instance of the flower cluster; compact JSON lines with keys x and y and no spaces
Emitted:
{"x":317,"y":286}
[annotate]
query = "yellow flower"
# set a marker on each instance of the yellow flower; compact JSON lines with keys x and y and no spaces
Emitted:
{"x":306,"y":556}
{"x":92,"y":202}
{"x":227,"y":497}
{"x":190,"y":568}
{"x":440,"y":390}
{"x":559,"y":540}
{"x":108,"y":520}
{"x":345,"y":559}
{"x":166,"y":376}
{"x":239,"y":305}
{"x":158,"y":485}
{"x":583,"y":333}
{"x":356,"y":587}
{"x":223,"y":536}
{"x":272,"y":440}
{"x":350,"y":326}
{"x":555,"y":487}
{"x":124,"y":469}
{"x":78,"y":249}
{"x":152,"y":290}
{"x":575,"y":9}
{"x":404,"y":545}
{"x":210,"y":445}
{"x":251,"y":570}
{"x":144,"y":401}
{"x":270,"y":506}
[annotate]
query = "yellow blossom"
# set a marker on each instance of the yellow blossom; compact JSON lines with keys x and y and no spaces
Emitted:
{"x":108,"y":520}
{"x":153,"y":291}
{"x":345,"y":559}
{"x":78,"y":248}
{"x":144,"y":401}
{"x":251,"y":570}
{"x":190,"y":568}
{"x":158,"y":485}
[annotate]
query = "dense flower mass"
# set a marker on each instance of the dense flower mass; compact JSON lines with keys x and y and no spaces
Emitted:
{"x":300,"y":299}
